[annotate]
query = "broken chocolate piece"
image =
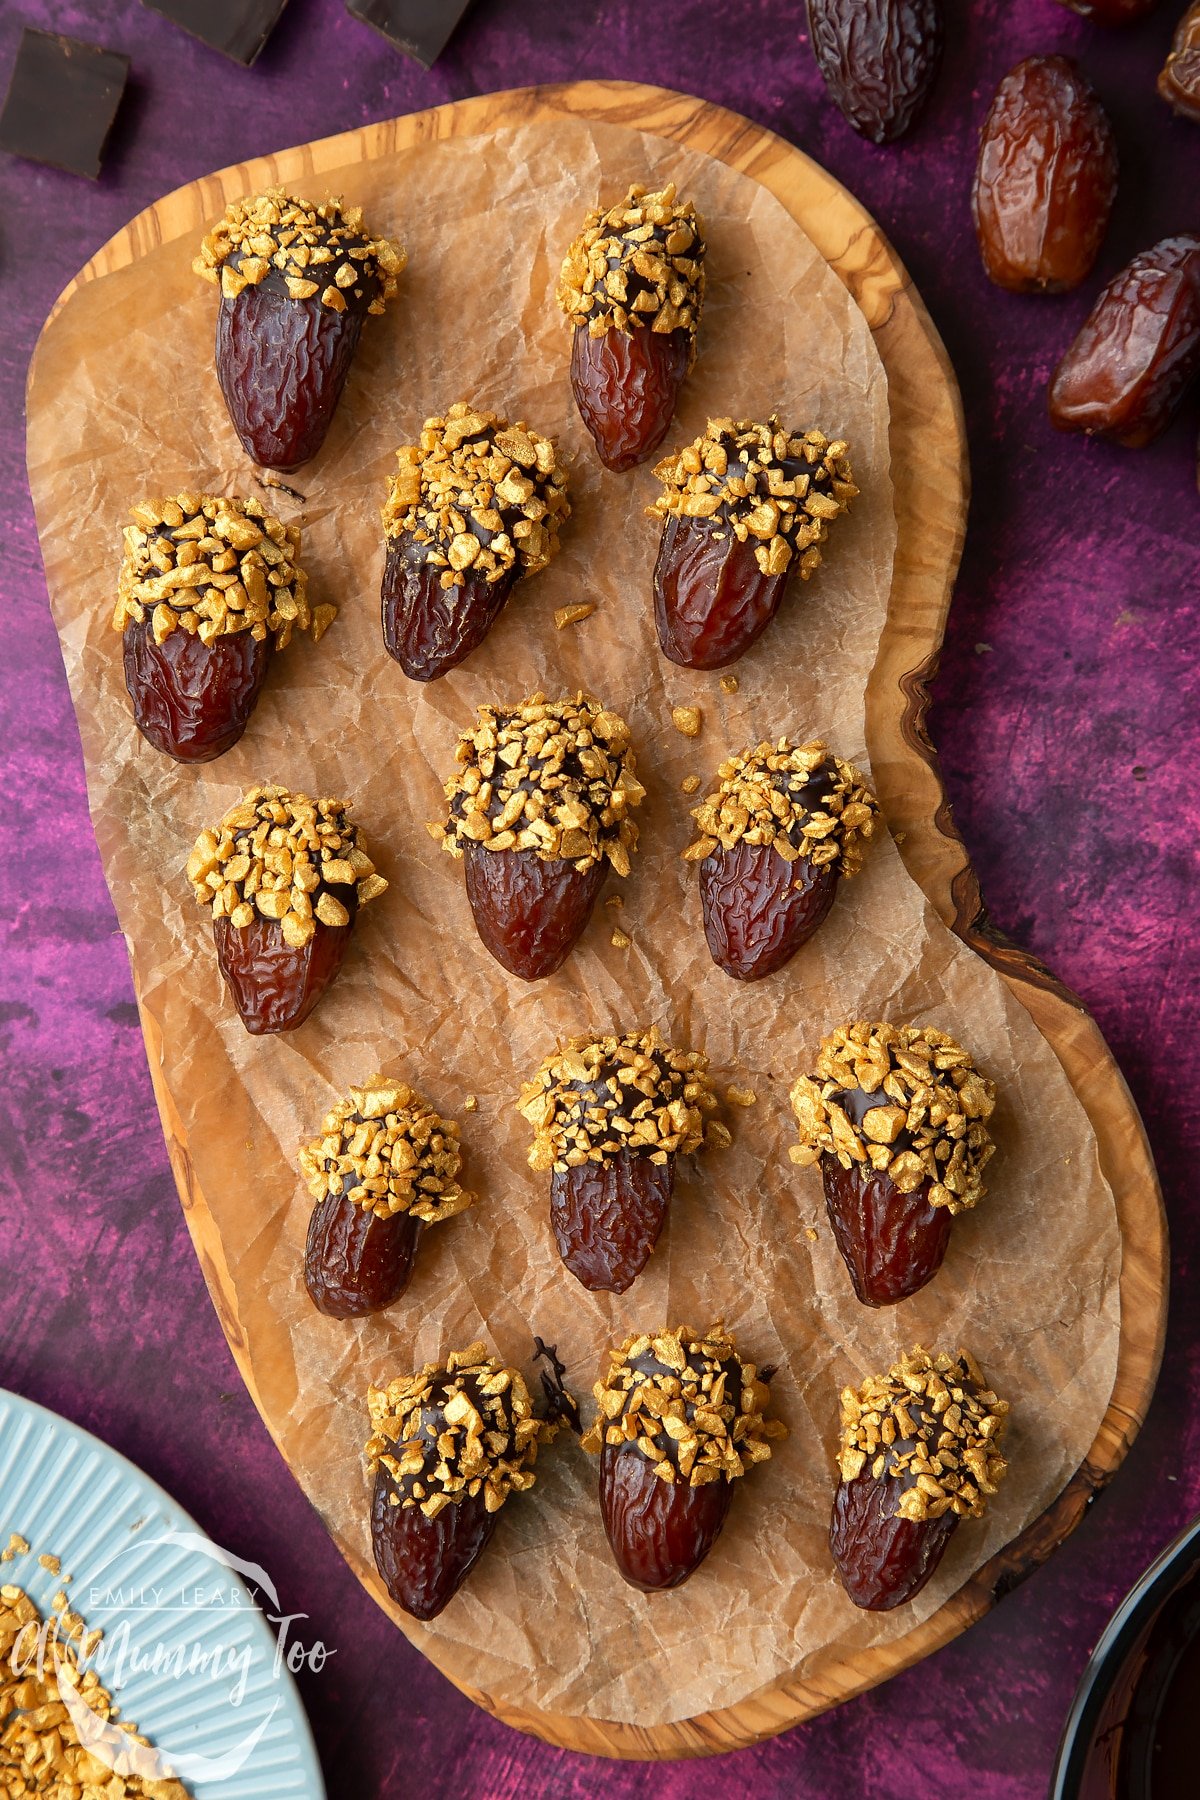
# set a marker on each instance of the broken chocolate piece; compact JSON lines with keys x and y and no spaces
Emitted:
{"x":237,"y":28}
{"x":62,"y":99}
{"x":421,"y":28}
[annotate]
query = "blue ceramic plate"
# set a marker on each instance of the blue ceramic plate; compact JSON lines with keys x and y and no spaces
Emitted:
{"x":187,"y":1655}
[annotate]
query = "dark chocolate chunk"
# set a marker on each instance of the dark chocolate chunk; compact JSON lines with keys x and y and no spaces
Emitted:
{"x":421,"y":28}
{"x":61,"y":101}
{"x":237,"y":28}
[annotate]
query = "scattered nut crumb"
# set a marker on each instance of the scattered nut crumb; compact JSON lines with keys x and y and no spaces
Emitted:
{"x":47,"y":1692}
{"x":616,"y":901}
{"x":51,"y":1563}
{"x":729,"y":684}
{"x":739,"y":1096}
{"x":17,"y":1546}
{"x":571,"y":615}
{"x":621,"y":940}
{"x":686,"y":720}
{"x":690,"y":784}
{"x":471,"y":1103}
{"x":810,"y":1234}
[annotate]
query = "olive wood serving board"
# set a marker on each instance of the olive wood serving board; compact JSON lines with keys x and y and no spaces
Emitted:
{"x":929,"y":472}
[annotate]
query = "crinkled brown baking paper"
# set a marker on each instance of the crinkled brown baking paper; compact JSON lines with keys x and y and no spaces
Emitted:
{"x":129,"y":406}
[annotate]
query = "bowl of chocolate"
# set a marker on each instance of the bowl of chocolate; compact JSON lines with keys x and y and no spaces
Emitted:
{"x":1130,"y":1734}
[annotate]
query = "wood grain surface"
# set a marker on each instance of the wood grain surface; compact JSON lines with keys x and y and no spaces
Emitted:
{"x":931,"y":490}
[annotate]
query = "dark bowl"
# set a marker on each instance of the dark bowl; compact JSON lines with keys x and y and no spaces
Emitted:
{"x":1132,"y":1731}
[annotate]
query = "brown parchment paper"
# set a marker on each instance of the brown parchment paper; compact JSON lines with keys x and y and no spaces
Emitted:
{"x":130,"y":406}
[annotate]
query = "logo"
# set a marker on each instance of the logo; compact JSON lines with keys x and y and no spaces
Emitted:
{"x":193,"y":1624}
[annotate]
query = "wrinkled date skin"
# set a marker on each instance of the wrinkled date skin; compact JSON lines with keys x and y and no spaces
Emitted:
{"x":660,"y":1532}
{"x":607,"y":1217}
{"x":356,"y":1262}
{"x":423,"y":1561}
{"x":193,"y":700}
{"x":879,"y":60}
{"x":1111,"y":12}
{"x":883,"y":1560}
{"x":282,"y":365}
{"x":711,"y":599}
{"x":1046,"y":178}
{"x":529,"y":912}
{"x":892,"y":1243}
{"x":1138,"y":349}
{"x":429,"y":629}
{"x":626,"y":384}
{"x":275,"y":987}
{"x":759,"y":909}
{"x":1179,"y":81}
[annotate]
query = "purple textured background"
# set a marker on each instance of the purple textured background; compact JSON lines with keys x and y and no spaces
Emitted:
{"x":1065,"y":712}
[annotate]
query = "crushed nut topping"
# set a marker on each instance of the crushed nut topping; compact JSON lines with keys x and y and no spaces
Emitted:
{"x":478,"y":493}
{"x":804,"y":802}
{"x":320,"y":251}
{"x":639,"y":263}
{"x":927,"y":1122}
{"x":932,"y":1422}
{"x":555,"y":776}
{"x":455,"y":1430}
{"x":687,"y":1402}
{"x":214,"y":566}
{"x":687,"y":720}
{"x":46,"y":1685}
{"x":596,"y":1097}
{"x":284,"y":856}
{"x":760,"y":482}
{"x":400,"y":1157}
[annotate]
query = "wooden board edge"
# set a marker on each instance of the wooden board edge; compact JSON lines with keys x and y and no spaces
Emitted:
{"x":905,"y":763}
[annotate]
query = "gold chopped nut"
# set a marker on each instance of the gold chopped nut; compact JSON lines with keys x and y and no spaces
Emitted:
{"x":740,"y":1096}
{"x":477,"y":493}
{"x":616,"y":901}
{"x":934,"y":1105}
{"x":280,"y":854}
{"x":51,"y":1564}
{"x":401,"y":1156}
{"x":729,"y":684}
{"x":596,"y":1097}
{"x":471,"y":1103}
{"x":558,"y":777}
{"x":763,"y":482}
{"x":686,"y":720}
{"x":637,"y":265}
{"x":687,"y":1403}
{"x":277,"y":233}
{"x":212,"y":566}
{"x":798,"y":798}
{"x":455,"y":1430}
{"x":621,"y":940}
{"x":932,"y":1422}
{"x":63,"y":1735}
{"x":571,"y":615}
{"x":16,"y":1546}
